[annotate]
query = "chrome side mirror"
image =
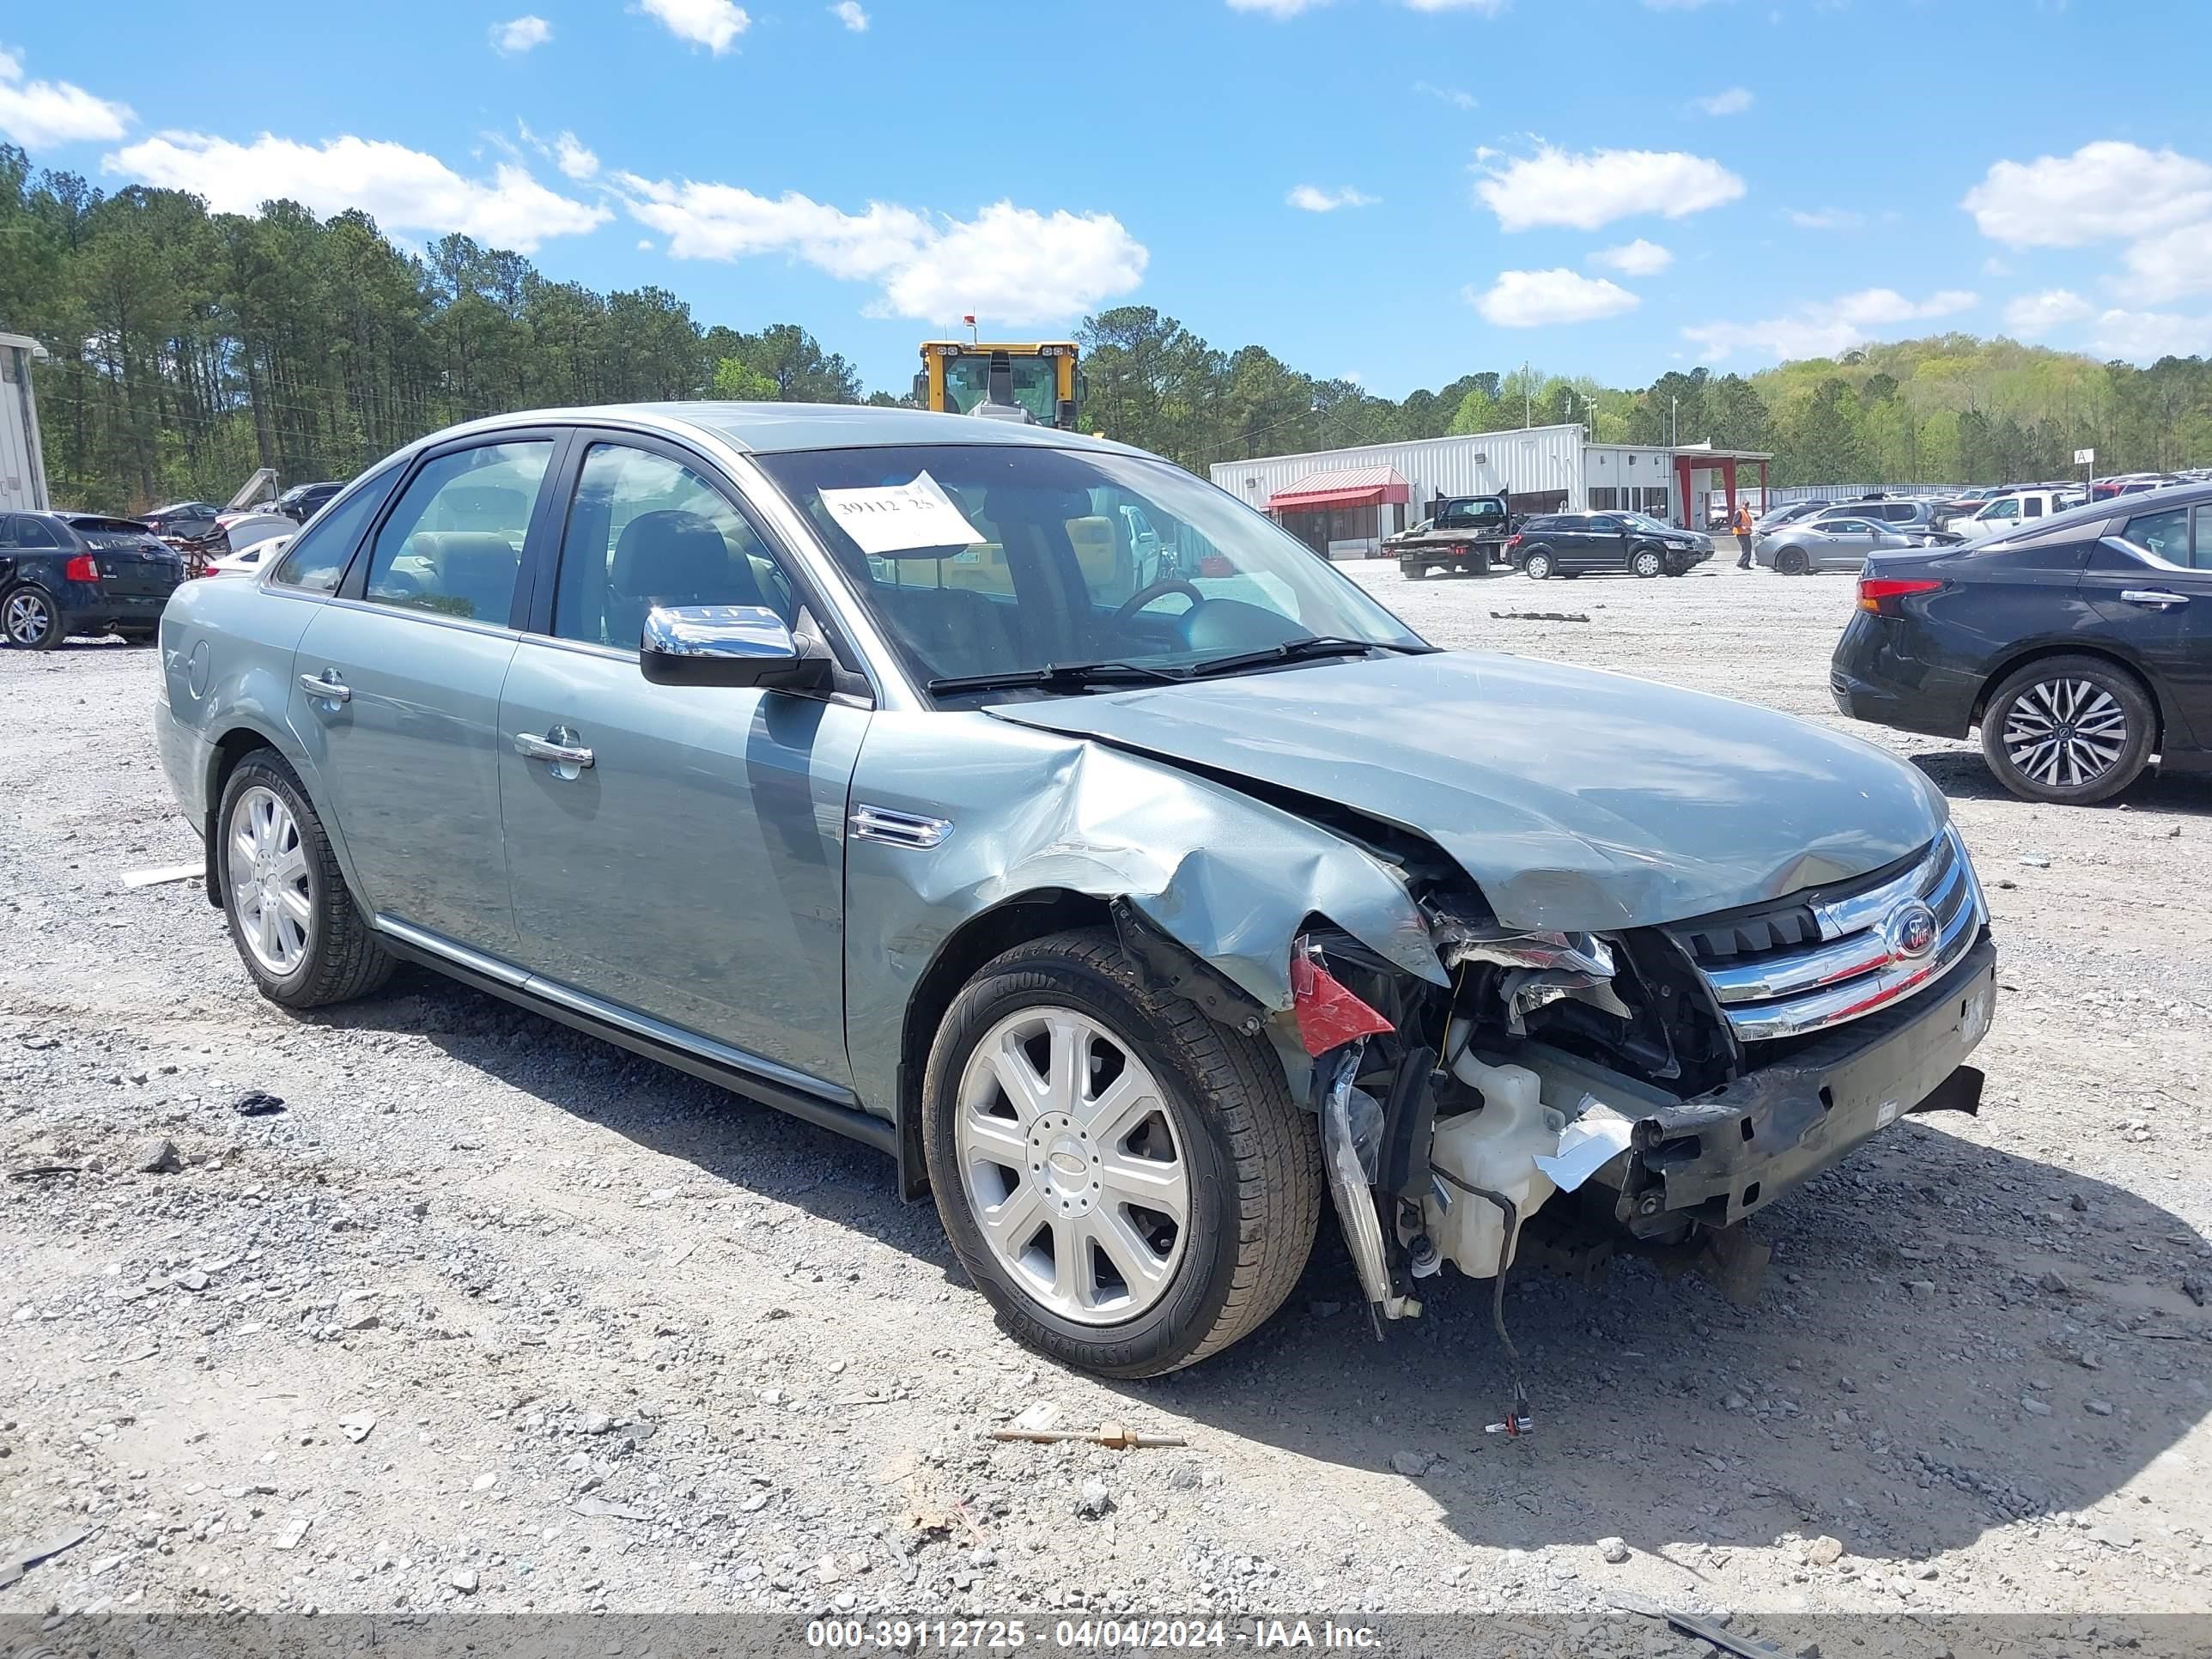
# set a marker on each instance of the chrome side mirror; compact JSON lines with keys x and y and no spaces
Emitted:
{"x":729,"y":645}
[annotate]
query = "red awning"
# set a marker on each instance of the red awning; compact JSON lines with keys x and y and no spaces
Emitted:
{"x":1359,"y":486}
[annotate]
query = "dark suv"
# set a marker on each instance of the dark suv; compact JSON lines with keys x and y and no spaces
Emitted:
{"x":303,"y":501}
{"x":1575,"y":544}
{"x":78,"y":573}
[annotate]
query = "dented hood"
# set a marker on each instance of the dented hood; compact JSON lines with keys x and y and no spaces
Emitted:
{"x":1576,"y":800}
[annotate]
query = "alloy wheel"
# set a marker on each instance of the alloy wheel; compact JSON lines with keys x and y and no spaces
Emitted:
{"x":1649,"y":563}
{"x":2064,"y":733}
{"x":29,"y":618}
{"x":1072,"y":1167}
{"x":268,"y":869}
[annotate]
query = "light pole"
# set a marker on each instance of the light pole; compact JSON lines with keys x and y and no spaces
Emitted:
{"x":1528,"y":399}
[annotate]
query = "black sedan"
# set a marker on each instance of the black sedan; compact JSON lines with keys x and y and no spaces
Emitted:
{"x":78,"y":573}
{"x":302,"y":501}
{"x":182,"y":521}
{"x":1584,"y":543}
{"x":2082,"y":646}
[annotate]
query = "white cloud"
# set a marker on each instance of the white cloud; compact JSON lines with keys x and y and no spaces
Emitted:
{"x":1826,"y":218}
{"x":848,"y":13}
{"x":1733,"y":102}
{"x":571,"y":157}
{"x":1488,"y":8}
{"x":1636,"y":258}
{"x":1827,"y":327}
{"x":1531,"y":298}
{"x":2103,"y":190}
{"x":41,"y":114}
{"x":2034,"y":315}
{"x":1554,"y":187}
{"x":1276,"y":7}
{"x":1313,"y":199}
{"x":1010,"y":263}
{"x":2144,"y":337}
{"x":713,"y":24}
{"x":401,"y":189}
{"x":1458,"y":97}
{"x":520,"y":35}
{"x":2169,"y":265}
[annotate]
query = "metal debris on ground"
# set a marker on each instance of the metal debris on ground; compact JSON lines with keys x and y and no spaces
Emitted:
{"x":1538,"y":616}
{"x":597,"y":1508}
{"x":1706,"y":1630}
{"x":15,"y":1564}
{"x":1106,"y":1434}
{"x":161,"y":873}
{"x":255,"y":1103}
{"x":38,"y":1172}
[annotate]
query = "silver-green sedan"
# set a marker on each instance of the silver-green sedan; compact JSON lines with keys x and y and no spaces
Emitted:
{"x":1022,"y":805}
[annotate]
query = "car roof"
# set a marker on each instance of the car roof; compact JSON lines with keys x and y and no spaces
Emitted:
{"x":2151,"y":501}
{"x":774,"y":428}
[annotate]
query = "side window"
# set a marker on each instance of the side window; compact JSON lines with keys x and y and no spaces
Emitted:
{"x":7,"y":522}
{"x":36,"y":534}
{"x":2166,"y":535}
{"x":644,"y":530}
{"x":454,"y":542}
{"x":319,"y":555}
{"x":2203,"y":559}
{"x":2008,"y":510}
{"x":2033,"y":506}
{"x":1606,"y":526}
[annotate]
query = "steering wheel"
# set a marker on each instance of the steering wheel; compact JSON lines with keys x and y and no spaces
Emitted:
{"x":1159,"y":590}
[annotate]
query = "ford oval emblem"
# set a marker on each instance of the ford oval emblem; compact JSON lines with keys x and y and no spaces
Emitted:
{"x":1913,"y":930}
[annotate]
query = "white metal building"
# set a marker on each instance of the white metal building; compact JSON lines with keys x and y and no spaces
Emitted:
{"x":22,"y":465}
{"x":1374,"y":489}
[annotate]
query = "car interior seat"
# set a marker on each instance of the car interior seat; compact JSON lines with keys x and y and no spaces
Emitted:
{"x":671,"y":557}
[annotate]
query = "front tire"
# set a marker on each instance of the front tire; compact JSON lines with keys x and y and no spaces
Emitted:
{"x":1647,"y":564}
{"x":296,"y":928}
{"x":1537,"y":566}
{"x":1129,"y":1183}
{"x":2068,"y":731}
{"x":1791,"y":562}
{"x":31,"y":620}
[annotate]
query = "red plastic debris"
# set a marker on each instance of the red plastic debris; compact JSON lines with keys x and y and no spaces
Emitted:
{"x":1330,"y":1016}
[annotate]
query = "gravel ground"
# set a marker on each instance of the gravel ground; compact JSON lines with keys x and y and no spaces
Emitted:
{"x":494,"y":1314}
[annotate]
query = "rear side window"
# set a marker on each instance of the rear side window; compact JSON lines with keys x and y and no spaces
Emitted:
{"x":453,"y":543}
{"x":36,"y":534}
{"x":318,"y":555}
{"x":2164,"y":535}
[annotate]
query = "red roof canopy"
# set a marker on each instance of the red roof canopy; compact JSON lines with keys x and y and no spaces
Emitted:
{"x":1356,"y":486}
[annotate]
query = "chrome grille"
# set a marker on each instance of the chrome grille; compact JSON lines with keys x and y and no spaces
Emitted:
{"x":1869,"y":948}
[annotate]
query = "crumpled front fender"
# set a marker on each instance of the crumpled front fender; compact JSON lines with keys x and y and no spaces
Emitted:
{"x":1230,"y":879}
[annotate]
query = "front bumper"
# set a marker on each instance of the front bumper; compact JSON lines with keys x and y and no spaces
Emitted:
{"x":1722,"y":1157}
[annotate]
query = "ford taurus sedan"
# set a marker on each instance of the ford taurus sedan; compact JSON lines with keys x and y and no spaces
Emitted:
{"x":1133,"y":891}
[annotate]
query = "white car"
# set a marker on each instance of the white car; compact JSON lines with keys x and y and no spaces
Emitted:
{"x":250,"y":562}
{"x":2010,"y":511}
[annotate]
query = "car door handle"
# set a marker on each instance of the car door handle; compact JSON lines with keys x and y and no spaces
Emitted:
{"x":542,"y":749}
{"x":327,"y":686}
{"x":2152,"y":596}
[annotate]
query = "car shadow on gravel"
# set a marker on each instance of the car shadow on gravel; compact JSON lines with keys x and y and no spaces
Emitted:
{"x":1948,"y":1337}
{"x":1963,"y":774}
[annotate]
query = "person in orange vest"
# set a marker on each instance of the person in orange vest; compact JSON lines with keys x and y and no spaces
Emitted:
{"x":1743,"y":535}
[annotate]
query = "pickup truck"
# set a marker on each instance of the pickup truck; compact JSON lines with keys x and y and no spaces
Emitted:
{"x":1467,"y":533}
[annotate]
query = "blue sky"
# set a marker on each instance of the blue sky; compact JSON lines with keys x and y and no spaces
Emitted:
{"x":1398,"y":190}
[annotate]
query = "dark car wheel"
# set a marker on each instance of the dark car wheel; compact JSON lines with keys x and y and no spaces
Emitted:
{"x":1647,"y":563}
{"x":1536,"y":566}
{"x":2070,"y":731}
{"x":296,"y":928}
{"x":1414,"y":572}
{"x":1127,"y":1181}
{"x":31,"y":620}
{"x":1791,"y":562}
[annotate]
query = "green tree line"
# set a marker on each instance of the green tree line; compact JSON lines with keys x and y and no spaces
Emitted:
{"x":190,"y":348}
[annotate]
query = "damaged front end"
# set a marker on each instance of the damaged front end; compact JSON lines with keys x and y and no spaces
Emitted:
{"x":1571,"y":1089}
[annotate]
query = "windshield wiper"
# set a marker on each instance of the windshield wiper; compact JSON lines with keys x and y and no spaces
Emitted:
{"x":1055,"y":676}
{"x":1298,"y":651}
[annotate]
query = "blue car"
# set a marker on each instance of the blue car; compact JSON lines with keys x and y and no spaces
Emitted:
{"x":78,"y":573}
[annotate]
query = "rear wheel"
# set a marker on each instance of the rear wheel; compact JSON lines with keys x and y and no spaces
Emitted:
{"x":296,"y":928}
{"x":30,"y":618}
{"x":1128,"y":1182}
{"x":1791,"y":562}
{"x":1412,"y":573}
{"x":2070,"y":731}
{"x":1647,"y":563}
{"x":1537,"y":566}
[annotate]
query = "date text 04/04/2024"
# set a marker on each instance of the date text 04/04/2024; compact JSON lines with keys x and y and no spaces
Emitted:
{"x":917,"y":1635}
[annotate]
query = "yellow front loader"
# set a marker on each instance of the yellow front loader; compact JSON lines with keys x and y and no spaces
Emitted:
{"x":1034,"y":382}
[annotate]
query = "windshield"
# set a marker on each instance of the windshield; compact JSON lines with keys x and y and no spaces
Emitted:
{"x":1036,"y":384}
{"x":1005,"y":559}
{"x":1648,"y":522}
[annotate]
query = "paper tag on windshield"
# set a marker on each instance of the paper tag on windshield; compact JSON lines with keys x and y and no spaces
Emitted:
{"x":900,"y":518}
